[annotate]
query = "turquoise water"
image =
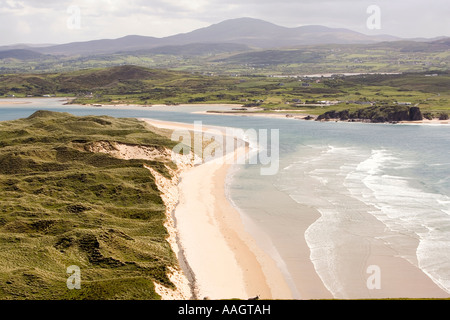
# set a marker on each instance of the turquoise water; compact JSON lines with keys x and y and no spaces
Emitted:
{"x":398,"y":174}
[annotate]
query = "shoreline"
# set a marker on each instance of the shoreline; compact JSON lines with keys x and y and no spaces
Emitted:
{"x":239,"y":262}
{"x":363,"y":248}
{"x":225,"y":260}
{"x":286,"y":114}
{"x":301,"y":116}
{"x":281,"y":114}
{"x":124,"y":105}
{"x":216,"y":181}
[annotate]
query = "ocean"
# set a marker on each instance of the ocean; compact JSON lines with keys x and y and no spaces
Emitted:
{"x":367,"y":183}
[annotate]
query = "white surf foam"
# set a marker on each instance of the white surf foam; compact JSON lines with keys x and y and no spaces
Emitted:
{"x":342,"y":183}
{"x":406,"y":210}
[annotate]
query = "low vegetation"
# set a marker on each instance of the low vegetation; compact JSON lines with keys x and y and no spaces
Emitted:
{"x":231,"y":59}
{"x":376,"y":114}
{"x":61,"y":205}
{"x":311,"y":95}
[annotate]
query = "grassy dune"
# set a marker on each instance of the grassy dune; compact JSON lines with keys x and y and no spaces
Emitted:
{"x":61,"y":205}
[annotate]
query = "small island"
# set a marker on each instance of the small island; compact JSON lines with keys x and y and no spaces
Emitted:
{"x":391,"y":114}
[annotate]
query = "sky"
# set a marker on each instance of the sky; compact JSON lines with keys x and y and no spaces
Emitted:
{"x":64,"y":21}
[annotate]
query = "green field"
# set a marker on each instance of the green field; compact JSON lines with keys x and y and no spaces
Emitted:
{"x":61,"y":205}
{"x":228,"y":59}
{"x":142,"y":86}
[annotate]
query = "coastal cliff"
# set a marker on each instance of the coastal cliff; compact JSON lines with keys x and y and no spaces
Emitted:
{"x":375,"y":114}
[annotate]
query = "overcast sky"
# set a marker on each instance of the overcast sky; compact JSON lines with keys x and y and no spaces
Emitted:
{"x":62,"y":21}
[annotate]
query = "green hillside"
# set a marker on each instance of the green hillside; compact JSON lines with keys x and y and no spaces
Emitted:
{"x":141,"y":86}
{"x":243,"y":59}
{"x":61,"y":205}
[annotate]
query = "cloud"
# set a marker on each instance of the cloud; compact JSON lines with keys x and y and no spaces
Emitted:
{"x":45,"y":21}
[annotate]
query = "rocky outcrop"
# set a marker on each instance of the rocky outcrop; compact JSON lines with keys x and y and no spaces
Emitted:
{"x":375,"y":114}
{"x":415,"y":114}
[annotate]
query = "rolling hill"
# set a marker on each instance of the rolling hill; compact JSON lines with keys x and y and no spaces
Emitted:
{"x":63,"y":204}
{"x":127,"y":77}
{"x":21,"y":54}
{"x":196,"y":49}
{"x":239,"y":46}
{"x":245,"y":31}
{"x":320,"y":54}
{"x":263,"y":34}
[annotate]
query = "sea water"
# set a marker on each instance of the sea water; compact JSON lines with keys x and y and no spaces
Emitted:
{"x":398,"y":174}
{"x":347,"y":172}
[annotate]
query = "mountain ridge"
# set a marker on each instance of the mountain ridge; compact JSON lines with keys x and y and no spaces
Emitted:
{"x":248,"y":31}
{"x":21,"y":54}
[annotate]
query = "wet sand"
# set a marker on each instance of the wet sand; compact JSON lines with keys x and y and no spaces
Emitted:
{"x":224,"y":258}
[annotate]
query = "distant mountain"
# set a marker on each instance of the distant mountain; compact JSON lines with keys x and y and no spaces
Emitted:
{"x":263,"y":34}
{"x":21,"y":54}
{"x":24,"y":46}
{"x":128,"y":43}
{"x":245,"y":31}
{"x":445,"y":42}
{"x":318,"y":54}
{"x":230,"y":36}
{"x":440,"y":45}
{"x":197,"y":49}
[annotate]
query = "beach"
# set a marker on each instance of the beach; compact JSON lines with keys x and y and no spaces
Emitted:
{"x":282,"y":114}
{"x":227,"y":256}
{"x":269,"y":244}
{"x":285,"y":114}
{"x":9,"y":102}
{"x":349,"y":196}
{"x":224,"y":260}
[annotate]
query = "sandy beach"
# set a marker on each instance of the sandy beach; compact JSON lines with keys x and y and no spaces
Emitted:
{"x":226,"y":258}
{"x":277,"y":114}
{"x":283,"y":114}
{"x":225,"y":261}
{"x":9,"y":102}
{"x":223,"y":255}
{"x":363,"y":248}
